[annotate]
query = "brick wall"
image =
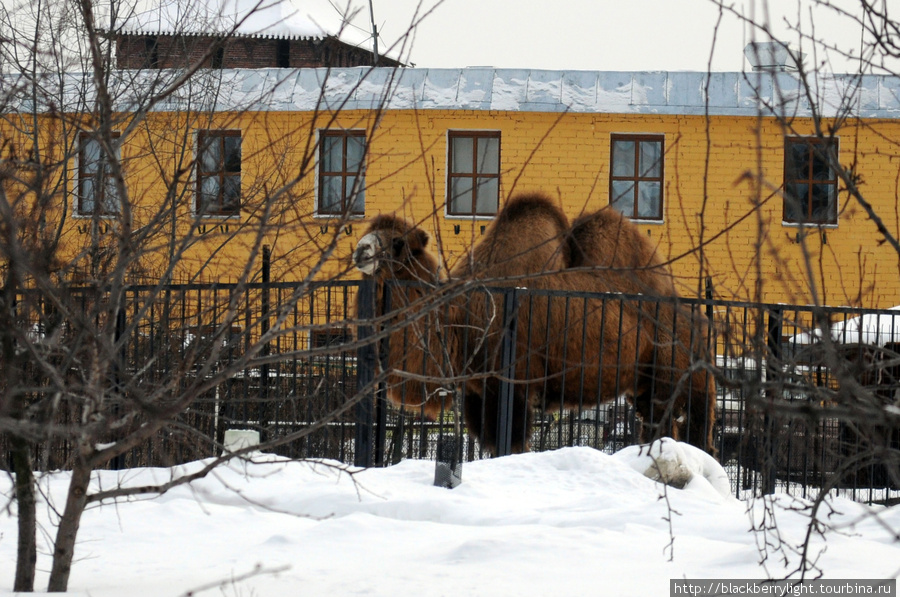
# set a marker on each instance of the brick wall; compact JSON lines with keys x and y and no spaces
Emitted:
{"x":717,"y":222}
{"x":169,"y":51}
{"x":722,"y":208}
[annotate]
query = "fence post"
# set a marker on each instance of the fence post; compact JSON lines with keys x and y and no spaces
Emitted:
{"x":118,"y":461}
{"x":709,"y":351}
{"x":773,"y":385}
{"x":380,"y":392}
{"x":264,"y":329}
{"x":365,"y":373}
{"x":507,"y":372}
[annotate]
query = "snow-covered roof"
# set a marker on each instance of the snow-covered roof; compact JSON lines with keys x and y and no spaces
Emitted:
{"x":490,"y":89}
{"x":675,"y":93}
{"x":281,"y":19}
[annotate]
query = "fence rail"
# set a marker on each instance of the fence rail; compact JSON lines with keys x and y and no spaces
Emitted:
{"x":806,"y":398}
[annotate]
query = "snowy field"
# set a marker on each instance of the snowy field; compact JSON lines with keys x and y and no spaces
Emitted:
{"x":569,"y":522}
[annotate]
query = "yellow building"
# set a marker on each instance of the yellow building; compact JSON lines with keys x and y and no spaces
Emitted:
{"x":728,"y":173}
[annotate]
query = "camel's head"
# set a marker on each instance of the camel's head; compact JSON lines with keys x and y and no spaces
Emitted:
{"x":391,"y":247}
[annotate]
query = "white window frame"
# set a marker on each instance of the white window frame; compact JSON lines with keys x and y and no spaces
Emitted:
{"x":363,"y":171}
{"x":77,"y":210}
{"x":639,"y":137}
{"x":195,"y":174}
{"x":474,"y":133}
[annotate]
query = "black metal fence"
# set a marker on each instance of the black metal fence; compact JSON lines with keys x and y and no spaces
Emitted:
{"x":806,"y":398}
{"x":258,"y":356}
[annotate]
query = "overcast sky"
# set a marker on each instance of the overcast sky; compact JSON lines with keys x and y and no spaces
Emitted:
{"x":601,"y":34}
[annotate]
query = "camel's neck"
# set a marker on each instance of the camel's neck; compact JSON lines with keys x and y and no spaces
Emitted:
{"x":414,"y":275}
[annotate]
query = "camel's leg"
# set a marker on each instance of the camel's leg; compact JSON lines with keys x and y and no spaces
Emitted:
{"x":656,"y":415}
{"x":647,"y":395}
{"x":522,"y":422}
{"x":482,"y":418}
{"x":474,"y":412}
{"x":701,"y":411}
{"x":688,"y":416}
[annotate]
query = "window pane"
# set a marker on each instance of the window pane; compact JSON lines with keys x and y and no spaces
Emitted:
{"x":210,"y":155}
{"x":90,"y":155}
{"x":820,"y":169}
{"x":824,"y":205}
{"x":110,"y":199}
{"x":623,"y":158}
{"x":231,"y":194}
{"x":461,"y":154}
{"x":649,"y":204}
{"x":232,"y":154}
{"x":651,"y":158}
{"x":798,"y":161}
{"x":359,"y":201}
{"x":461,"y":195}
{"x":331,"y":195}
{"x":488,"y":196}
{"x":489,"y":155}
{"x":87,"y":195}
{"x":332,"y":153}
{"x":795,"y":202}
{"x":356,"y":149}
{"x":209,"y":193}
{"x":623,"y":196}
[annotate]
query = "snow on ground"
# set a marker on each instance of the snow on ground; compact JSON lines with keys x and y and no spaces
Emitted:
{"x":574,"y":521}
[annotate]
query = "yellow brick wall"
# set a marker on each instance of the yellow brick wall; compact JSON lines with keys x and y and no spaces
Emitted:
{"x":716,"y":223}
{"x":716,"y":173}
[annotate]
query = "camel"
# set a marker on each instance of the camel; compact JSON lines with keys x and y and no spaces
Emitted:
{"x":569,"y":351}
{"x":573,"y":353}
{"x":396,"y":252}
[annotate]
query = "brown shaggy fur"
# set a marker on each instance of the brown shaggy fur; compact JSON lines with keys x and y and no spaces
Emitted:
{"x":609,"y":241}
{"x":416,"y":354}
{"x":666,"y":389}
{"x":525,"y":245}
{"x":570,"y":352}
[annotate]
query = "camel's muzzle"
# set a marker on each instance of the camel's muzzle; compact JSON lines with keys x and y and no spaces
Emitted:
{"x":365,"y":257}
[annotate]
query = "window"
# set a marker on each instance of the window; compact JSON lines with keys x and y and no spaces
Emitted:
{"x":97,"y":192}
{"x":219,"y":173}
{"x":810,"y":185}
{"x":636,"y":180}
{"x":218,"y":57}
{"x":330,"y":337}
{"x":151,"y":52}
{"x":473,"y":186}
{"x":282,"y":53}
{"x":342,"y":178}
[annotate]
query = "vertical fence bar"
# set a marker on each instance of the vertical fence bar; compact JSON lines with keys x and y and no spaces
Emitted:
{"x":380,"y":429}
{"x":263,"y":330}
{"x":508,"y":368}
{"x":365,"y":374}
{"x":118,"y":461}
{"x":709,"y":349}
{"x":383,"y":354}
{"x":773,"y":385}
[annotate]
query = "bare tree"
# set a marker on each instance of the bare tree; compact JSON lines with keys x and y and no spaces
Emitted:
{"x":113,"y":210}
{"x":822,"y":381}
{"x":116,"y":353}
